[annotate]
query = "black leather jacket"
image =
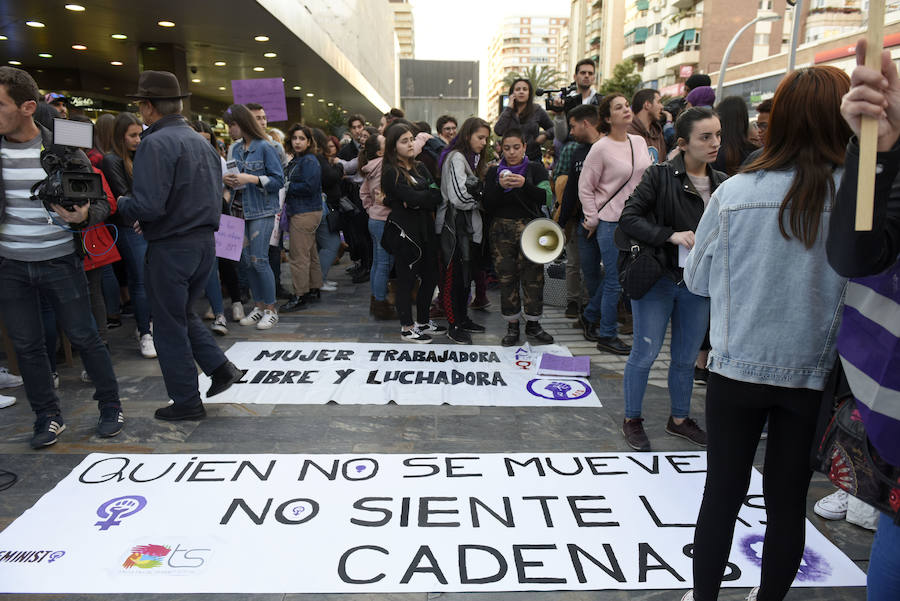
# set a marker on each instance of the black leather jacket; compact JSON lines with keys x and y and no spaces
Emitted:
{"x":113,"y":168}
{"x":663,"y":203}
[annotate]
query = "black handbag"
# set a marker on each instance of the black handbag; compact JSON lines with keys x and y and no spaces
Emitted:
{"x":392,"y":237}
{"x":348,"y":208}
{"x":332,"y":220}
{"x":639,"y":267}
{"x":846,"y":456}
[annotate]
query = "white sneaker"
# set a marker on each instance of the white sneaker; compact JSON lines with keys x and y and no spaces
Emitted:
{"x":209,"y":315}
{"x":328,"y":287}
{"x":237,"y":311}
{"x":688,"y":596}
{"x":415,"y":335}
{"x":268,"y":320}
{"x":431,"y":328}
{"x":753,"y":593}
{"x":8,"y":380}
{"x":148,"y":349}
{"x":220,"y":325}
{"x":832,"y":507}
{"x":55,"y":377}
{"x":331,"y":283}
{"x":253,"y":318}
{"x":85,"y":377}
{"x":7,"y":401}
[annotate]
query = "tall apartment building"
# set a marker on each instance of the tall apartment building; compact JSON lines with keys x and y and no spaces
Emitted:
{"x":595,"y":32}
{"x":520,"y":43}
{"x":403,"y":27}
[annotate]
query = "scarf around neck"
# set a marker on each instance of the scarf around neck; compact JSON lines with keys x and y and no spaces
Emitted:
{"x":519,"y":169}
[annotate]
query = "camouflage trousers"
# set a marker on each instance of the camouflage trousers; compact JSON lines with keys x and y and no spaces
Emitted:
{"x":515,"y":271}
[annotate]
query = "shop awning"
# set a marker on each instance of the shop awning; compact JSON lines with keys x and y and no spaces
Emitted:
{"x":673,"y":42}
{"x":642,"y":4}
{"x":640,"y":35}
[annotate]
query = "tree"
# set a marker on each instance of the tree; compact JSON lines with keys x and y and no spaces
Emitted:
{"x":540,"y":77}
{"x":624,"y":80}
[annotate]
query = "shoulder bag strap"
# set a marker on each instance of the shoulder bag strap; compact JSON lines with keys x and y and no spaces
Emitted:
{"x":627,"y":179}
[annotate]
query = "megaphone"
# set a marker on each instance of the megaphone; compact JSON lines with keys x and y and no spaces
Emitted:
{"x":542,"y":241}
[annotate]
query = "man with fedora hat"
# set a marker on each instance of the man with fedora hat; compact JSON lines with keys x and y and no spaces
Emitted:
{"x":176,"y":202}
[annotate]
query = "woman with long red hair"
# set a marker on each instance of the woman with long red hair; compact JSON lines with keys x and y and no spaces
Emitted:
{"x":775,"y":305}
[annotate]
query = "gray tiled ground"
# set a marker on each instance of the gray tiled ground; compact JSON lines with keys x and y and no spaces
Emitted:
{"x":354,"y":428}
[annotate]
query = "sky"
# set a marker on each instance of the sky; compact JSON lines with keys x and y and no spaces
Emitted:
{"x":463,"y":29}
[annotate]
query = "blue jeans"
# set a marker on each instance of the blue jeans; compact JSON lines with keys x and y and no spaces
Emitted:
{"x":64,"y":285}
{"x":255,"y":259}
{"x":689,"y":314}
{"x":214,"y":292}
{"x":111,"y":290}
{"x":605,"y":294}
{"x":328,"y":243}
{"x":133,"y":248}
{"x":883,"y":582}
{"x":177,"y":275}
{"x":589,"y":258}
{"x":382,"y":261}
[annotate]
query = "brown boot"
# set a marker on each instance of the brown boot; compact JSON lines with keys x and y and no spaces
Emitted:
{"x":383,"y":310}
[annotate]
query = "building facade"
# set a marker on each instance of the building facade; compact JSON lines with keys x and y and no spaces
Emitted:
{"x":429,"y":89}
{"x":403,"y":27}
{"x":521,"y":43}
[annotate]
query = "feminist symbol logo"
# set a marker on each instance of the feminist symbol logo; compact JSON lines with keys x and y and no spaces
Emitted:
{"x":116,"y":509}
{"x":559,"y":390}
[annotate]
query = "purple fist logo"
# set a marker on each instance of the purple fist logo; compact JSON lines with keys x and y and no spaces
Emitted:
{"x":558,"y":390}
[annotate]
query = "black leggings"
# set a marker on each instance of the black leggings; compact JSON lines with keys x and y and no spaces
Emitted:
{"x":425,"y":270}
{"x":735,"y":414}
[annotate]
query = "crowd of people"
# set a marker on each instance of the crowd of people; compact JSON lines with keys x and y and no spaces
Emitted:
{"x":739,"y":220}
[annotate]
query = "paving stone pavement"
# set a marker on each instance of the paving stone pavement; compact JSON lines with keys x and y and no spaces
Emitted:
{"x":343,"y":315}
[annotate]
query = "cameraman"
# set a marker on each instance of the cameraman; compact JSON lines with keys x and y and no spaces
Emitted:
{"x":584,"y":93}
{"x":38,"y":255}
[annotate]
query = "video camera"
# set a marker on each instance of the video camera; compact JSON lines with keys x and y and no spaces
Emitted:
{"x":70,"y":180}
{"x":564,"y":94}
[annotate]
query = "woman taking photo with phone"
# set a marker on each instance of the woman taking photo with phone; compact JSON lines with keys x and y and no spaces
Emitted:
{"x":663,"y":213}
{"x":255,"y":197}
{"x":523,"y":114}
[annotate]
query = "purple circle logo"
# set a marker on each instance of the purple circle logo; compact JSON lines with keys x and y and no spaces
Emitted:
{"x":813,"y":567}
{"x":558,"y":390}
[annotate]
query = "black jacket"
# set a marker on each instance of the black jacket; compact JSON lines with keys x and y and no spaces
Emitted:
{"x":332,"y":174}
{"x":113,"y":168}
{"x":177,"y":187}
{"x":412,"y":207}
{"x":858,"y":254}
{"x":663,"y":203}
{"x":518,"y":203}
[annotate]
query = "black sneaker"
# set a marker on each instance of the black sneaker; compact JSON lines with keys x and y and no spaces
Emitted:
{"x":113,"y":322}
{"x":459,"y":335}
{"x":572,"y":310}
{"x":174,"y":412}
{"x":512,"y":334}
{"x":613,"y":345}
{"x":47,"y":430}
{"x":111,"y":422}
{"x":415,"y":335}
{"x":360,"y":277}
{"x":536,"y":334}
{"x":633,"y":429}
{"x":313,"y":296}
{"x":688,"y":429}
{"x":297,"y":303}
{"x":472,"y":327}
{"x":431,"y":328}
{"x":701,"y":375}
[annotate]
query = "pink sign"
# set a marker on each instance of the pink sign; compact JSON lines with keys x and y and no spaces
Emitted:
{"x":686,"y":71}
{"x":676,"y":89}
{"x":230,"y":238}
{"x":268,"y":92}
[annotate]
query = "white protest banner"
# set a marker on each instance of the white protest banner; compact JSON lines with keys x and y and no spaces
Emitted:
{"x":369,"y":374}
{"x":383,"y":523}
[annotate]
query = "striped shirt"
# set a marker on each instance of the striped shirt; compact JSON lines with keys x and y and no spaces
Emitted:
{"x":25,"y":234}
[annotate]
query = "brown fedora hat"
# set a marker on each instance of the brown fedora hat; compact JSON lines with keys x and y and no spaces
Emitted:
{"x":158,"y":84}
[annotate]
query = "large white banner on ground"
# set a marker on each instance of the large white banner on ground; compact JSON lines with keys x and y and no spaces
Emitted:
{"x":383,"y":523}
{"x":369,"y":374}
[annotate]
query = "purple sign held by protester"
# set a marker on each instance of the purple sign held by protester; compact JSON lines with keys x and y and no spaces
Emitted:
{"x":230,"y":237}
{"x":269,"y":92}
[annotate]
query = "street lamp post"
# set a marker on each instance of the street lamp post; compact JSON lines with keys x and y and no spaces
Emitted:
{"x":764,"y":15}
{"x":795,"y":35}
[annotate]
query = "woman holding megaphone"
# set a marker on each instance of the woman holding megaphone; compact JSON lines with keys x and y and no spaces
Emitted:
{"x":663,"y":213}
{"x":514,"y":192}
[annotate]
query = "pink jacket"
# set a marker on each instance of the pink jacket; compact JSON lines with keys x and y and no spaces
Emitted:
{"x":605,"y":169}
{"x":370,"y":191}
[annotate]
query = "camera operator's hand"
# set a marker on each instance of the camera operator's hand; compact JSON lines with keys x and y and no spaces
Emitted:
{"x":78,"y":214}
{"x":668,"y":116}
{"x":541,"y":138}
{"x":558,"y":101}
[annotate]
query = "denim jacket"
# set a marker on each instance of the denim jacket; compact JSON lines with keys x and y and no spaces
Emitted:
{"x":261,"y":159}
{"x":304,"y":185}
{"x":775,"y":305}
